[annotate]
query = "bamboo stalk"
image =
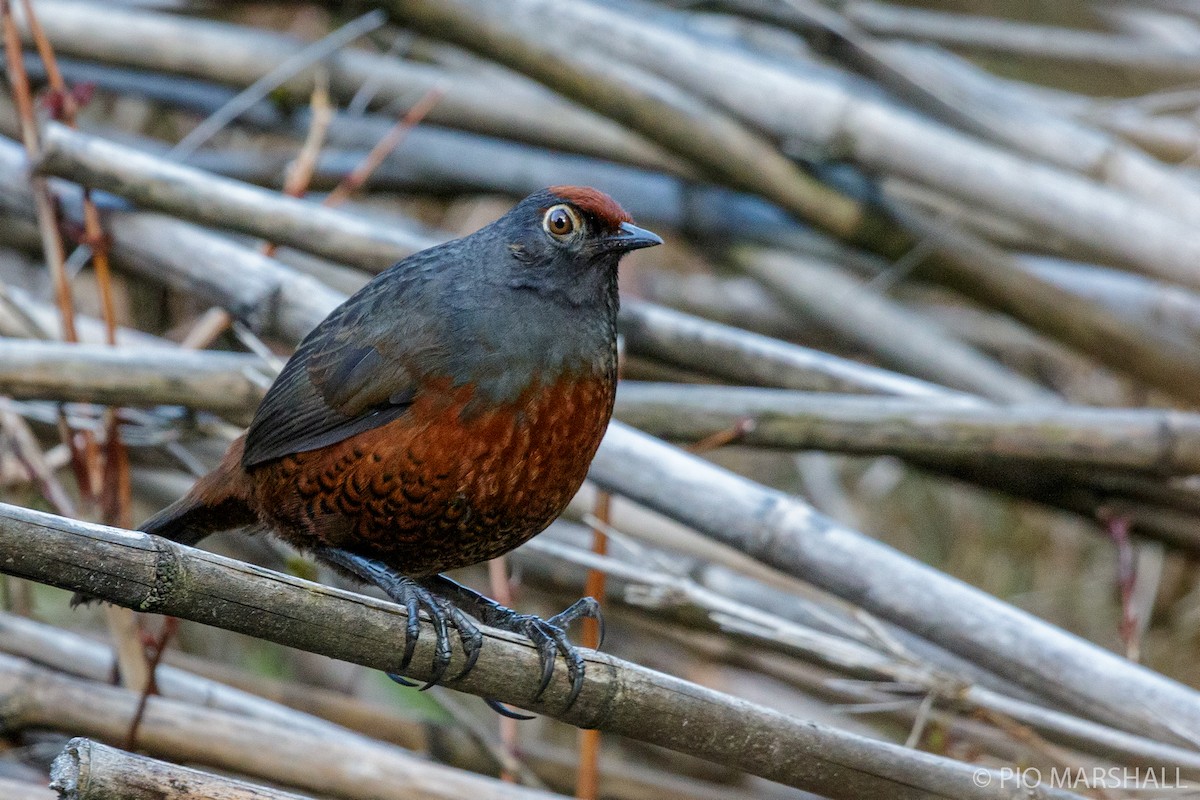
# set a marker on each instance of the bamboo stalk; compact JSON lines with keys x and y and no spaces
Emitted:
{"x":232,"y":384}
{"x":901,"y":338}
{"x":342,"y":767}
{"x":979,"y":270}
{"x":737,"y":355}
{"x":84,"y":658}
{"x":204,"y":683}
{"x":183,"y":191}
{"x":226,"y":383}
{"x":1161,"y":442}
{"x":784,"y":532}
{"x":258,"y":290}
{"x":239,"y":56}
{"x":1008,"y":113}
{"x":88,"y":770}
{"x":983,"y":34}
{"x":157,"y":576}
{"x":717,"y":144}
{"x":22,"y":315}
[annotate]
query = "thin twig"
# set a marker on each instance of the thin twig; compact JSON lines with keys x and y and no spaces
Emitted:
{"x":261,"y":88}
{"x":502,"y":592}
{"x":587,"y":786}
{"x":206,"y":329}
{"x":44,"y":204}
{"x":300,"y":171}
{"x":384,"y":147}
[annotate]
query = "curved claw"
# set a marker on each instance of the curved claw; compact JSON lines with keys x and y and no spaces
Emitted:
{"x":400,"y":679}
{"x":544,"y":640}
{"x":412,"y":630}
{"x":415,"y":597}
{"x":550,"y":641}
{"x":599,"y":617}
{"x":583,"y":608}
{"x":469,"y":635}
{"x":505,"y":711}
{"x":441,"y":650}
{"x":548,"y":636}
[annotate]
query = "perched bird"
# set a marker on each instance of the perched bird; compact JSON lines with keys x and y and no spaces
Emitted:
{"x":441,"y":416}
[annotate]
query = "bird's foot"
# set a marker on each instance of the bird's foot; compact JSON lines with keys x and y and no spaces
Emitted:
{"x":415,"y":598}
{"x":548,"y":635}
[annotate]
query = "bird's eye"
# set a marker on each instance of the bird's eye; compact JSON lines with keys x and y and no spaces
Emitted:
{"x":561,"y":222}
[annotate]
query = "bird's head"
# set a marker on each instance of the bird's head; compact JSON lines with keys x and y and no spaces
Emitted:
{"x":567,"y":240}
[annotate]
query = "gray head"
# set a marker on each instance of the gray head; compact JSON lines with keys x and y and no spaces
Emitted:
{"x":543,"y":293}
{"x":566,"y":242}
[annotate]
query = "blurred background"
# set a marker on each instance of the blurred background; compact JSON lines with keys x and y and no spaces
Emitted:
{"x":937,"y":215}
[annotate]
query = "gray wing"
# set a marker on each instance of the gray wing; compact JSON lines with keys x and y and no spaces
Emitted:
{"x":357,"y":370}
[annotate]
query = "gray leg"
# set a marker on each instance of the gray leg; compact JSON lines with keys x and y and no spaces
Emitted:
{"x":548,"y":635}
{"x":415,"y":598}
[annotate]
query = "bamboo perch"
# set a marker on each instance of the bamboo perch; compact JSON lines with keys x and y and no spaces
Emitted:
{"x":87,"y":770}
{"x":82,"y":657}
{"x":154,"y":575}
{"x":1157,"y":441}
{"x":346,"y":767}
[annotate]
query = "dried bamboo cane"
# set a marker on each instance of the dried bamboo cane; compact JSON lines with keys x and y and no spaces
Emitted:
{"x":158,"y":576}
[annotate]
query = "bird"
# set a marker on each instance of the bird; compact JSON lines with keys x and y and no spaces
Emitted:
{"x":441,"y":416}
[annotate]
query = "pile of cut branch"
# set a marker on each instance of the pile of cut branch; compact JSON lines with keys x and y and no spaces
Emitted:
{"x":929,"y":275}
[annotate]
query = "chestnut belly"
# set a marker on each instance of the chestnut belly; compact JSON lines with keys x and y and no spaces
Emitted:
{"x":439,"y":488}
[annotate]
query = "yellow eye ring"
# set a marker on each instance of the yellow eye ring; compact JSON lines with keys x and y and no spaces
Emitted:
{"x":561,"y":222}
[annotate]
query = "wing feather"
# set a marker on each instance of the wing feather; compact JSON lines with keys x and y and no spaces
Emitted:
{"x":355,"y":371}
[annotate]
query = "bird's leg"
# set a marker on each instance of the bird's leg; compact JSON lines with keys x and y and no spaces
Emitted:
{"x":546,"y":634}
{"x":414,"y":597}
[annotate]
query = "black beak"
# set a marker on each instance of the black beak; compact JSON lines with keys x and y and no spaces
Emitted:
{"x":629,"y":237}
